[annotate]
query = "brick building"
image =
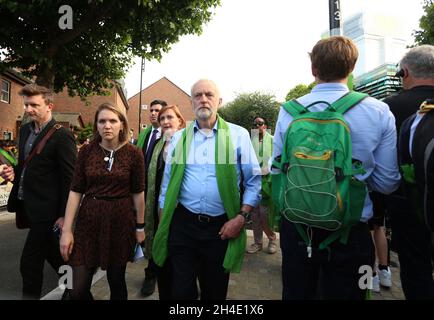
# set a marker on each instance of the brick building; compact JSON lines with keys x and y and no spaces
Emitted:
{"x":11,"y":103}
{"x":65,"y":104}
{"x":69,"y":111}
{"x":163,"y":89}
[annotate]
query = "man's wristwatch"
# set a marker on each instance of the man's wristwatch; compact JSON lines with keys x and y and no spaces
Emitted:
{"x":246,"y":215}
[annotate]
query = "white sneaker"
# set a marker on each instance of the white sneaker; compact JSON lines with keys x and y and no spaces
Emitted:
{"x":272,"y":246}
{"x":385,"y":277}
{"x":254,"y":247}
{"x":376,"y":283}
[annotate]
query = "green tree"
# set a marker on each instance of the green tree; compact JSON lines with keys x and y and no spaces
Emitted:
{"x":105,"y":36}
{"x":299,"y":90}
{"x":85,"y":133}
{"x":247,"y":106}
{"x":426,"y":24}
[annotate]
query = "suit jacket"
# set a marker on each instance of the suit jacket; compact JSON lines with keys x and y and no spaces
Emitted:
{"x":48,"y":175}
{"x":407,"y":102}
{"x":403,"y":105}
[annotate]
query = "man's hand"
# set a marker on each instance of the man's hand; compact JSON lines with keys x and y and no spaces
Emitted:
{"x":8,"y":173}
{"x":60,"y":222}
{"x":232,"y":228}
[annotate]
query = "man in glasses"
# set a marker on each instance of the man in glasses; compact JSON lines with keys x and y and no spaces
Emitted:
{"x":417,"y":81}
{"x":262,"y":216}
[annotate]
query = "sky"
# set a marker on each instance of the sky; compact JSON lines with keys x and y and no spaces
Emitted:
{"x":259,"y":45}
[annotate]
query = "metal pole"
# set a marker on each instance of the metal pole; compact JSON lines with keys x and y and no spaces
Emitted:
{"x":335,"y":17}
{"x":142,"y":69}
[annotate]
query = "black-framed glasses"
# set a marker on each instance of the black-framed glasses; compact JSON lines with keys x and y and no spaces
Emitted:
{"x":258,"y":123}
{"x":400,"y":73}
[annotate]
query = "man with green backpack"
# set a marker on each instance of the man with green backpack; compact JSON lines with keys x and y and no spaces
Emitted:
{"x":331,"y":147}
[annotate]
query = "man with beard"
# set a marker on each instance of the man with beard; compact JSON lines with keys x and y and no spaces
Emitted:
{"x":201,"y":228}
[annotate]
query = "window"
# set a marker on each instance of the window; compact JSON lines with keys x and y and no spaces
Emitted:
{"x":5,"y":91}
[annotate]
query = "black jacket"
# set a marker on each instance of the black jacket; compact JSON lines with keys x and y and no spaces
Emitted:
{"x":403,"y":105}
{"x":407,"y":102}
{"x":422,"y":158}
{"x":48,"y":176}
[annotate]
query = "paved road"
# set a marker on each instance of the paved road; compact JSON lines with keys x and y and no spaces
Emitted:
{"x":259,"y":279}
{"x":11,"y":243}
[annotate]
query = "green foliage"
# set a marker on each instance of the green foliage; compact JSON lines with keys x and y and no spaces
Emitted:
{"x":105,"y":37}
{"x":247,"y":106}
{"x":426,"y":24}
{"x":299,"y":90}
{"x":85,"y":133}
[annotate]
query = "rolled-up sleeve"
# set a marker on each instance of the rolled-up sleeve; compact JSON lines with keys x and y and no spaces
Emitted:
{"x":251,"y":172}
{"x":385,"y":177}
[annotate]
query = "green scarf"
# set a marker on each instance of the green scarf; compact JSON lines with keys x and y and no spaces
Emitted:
{"x":228,"y":189}
{"x":8,"y":157}
{"x":150,"y":198}
{"x":142,"y":137}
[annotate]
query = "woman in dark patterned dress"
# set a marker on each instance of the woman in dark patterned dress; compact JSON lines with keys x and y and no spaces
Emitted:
{"x":107,"y":190}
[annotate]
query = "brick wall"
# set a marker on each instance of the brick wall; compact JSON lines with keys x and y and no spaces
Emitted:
{"x":65,"y":103}
{"x":9,"y":112}
{"x":163,"y":89}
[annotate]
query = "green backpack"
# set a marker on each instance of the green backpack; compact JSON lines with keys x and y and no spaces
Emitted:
{"x":316,"y":186}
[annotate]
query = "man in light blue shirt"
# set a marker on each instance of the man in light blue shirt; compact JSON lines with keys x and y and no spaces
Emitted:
{"x":200,"y":228}
{"x":373,"y":137}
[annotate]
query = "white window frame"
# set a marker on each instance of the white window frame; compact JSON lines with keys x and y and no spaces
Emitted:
{"x":3,"y":91}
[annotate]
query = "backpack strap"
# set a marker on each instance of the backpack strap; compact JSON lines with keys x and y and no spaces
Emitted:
{"x":294,"y":108}
{"x":347,"y":101}
{"x":404,"y":141}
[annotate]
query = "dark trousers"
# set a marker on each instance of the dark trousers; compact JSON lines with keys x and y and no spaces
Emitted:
{"x":415,"y":252}
{"x":41,"y":244}
{"x":196,"y":251}
{"x":151,"y":269}
{"x":164,"y":281}
{"x":330,"y":273}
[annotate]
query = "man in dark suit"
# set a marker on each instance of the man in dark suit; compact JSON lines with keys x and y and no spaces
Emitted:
{"x":41,"y":186}
{"x":146,"y":142}
{"x":410,"y":235}
{"x":147,"y":137}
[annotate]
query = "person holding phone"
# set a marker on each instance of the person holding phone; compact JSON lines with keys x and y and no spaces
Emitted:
{"x":107,"y":191}
{"x":40,"y":185}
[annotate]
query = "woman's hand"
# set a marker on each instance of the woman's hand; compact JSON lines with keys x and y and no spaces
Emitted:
{"x":140,"y":236}
{"x":66,"y":245}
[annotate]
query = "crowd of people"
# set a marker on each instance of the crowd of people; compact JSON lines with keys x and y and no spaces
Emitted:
{"x":185,"y":192}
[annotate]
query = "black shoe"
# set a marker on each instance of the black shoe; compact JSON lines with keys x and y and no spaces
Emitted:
{"x":148,"y":286}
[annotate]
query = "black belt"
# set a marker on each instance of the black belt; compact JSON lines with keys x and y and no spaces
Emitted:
{"x":201,"y":217}
{"x":107,"y":198}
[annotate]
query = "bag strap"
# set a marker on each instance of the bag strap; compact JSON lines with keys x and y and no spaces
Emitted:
{"x":38,"y":149}
{"x":347,"y":101}
{"x":294,"y":108}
